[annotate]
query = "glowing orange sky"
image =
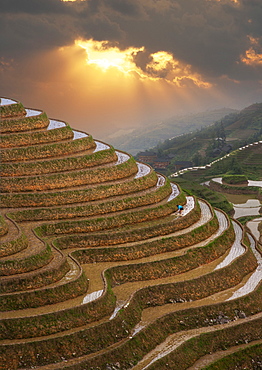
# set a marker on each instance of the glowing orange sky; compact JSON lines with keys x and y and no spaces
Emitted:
{"x":98,"y":83}
{"x":105,"y":65}
{"x":107,"y":58}
{"x":94,"y":82}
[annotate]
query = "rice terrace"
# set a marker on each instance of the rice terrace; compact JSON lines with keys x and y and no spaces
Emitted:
{"x":100,"y":271}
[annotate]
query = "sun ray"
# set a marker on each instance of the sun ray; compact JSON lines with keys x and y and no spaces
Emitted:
{"x":161,"y":65}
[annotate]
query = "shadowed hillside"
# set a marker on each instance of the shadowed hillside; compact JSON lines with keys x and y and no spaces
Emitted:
{"x":204,"y":145}
{"x":135,"y":140}
{"x":100,"y":271}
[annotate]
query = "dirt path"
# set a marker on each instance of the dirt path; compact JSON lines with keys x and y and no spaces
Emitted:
{"x":175,"y":340}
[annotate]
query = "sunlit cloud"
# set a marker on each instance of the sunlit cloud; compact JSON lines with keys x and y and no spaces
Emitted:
{"x":253,"y":55}
{"x":161,"y":65}
{"x":105,"y":56}
{"x":164,"y":65}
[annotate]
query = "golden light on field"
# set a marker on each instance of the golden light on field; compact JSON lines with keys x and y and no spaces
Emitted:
{"x":252,"y":58}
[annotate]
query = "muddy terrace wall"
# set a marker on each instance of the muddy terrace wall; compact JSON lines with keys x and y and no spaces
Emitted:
{"x":247,"y":358}
{"x":130,"y":351}
{"x":11,"y":110}
{"x":48,"y":276}
{"x":3,"y":226}
{"x":33,"y":262}
{"x":186,"y":354}
{"x":16,"y":244}
{"x":45,"y":296}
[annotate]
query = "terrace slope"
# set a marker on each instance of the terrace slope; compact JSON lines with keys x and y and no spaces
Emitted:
{"x":100,"y":271}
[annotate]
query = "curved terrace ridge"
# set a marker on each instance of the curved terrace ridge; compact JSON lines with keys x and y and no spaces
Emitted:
{"x":99,"y":269}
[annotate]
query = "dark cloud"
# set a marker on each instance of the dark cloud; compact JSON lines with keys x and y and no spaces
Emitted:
{"x":34,"y":7}
{"x":25,"y":34}
{"x":210,"y":36}
{"x":203,"y":33}
{"x":142,"y":59}
{"x":99,"y":28}
{"x":124,"y":7}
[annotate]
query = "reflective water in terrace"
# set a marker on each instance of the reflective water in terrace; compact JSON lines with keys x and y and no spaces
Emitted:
{"x":161,"y":180}
{"x":250,"y":208}
{"x":174,"y":193}
{"x":32,"y":112}
{"x":4,"y":101}
{"x":121,"y":157}
{"x":79,"y":135}
{"x":100,"y":146}
{"x":236,"y":250}
{"x":143,"y":170}
{"x":53,"y":124}
{"x":92,"y":296}
{"x":244,"y":204}
{"x":253,"y":226}
{"x":255,"y":278}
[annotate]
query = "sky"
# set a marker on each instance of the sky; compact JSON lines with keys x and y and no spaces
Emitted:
{"x":110,"y":65}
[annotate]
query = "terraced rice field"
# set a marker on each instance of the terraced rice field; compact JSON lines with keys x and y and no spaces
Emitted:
{"x":100,"y":271}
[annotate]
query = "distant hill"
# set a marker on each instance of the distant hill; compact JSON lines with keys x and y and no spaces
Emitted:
{"x":134,"y":141}
{"x":202,"y":146}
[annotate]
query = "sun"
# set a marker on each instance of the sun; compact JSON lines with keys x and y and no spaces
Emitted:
{"x":105,"y":56}
{"x":161,"y":66}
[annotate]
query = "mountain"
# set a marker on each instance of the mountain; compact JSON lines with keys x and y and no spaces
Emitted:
{"x":202,"y":146}
{"x":98,"y":268}
{"x":136,"y":140}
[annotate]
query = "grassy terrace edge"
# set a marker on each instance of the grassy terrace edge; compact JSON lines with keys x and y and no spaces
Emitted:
{"x":24,"y":123}
{"x":70,"y":178}
{"x":11,"y":110}
{"x":101,"y":336}
{"x":163,"y":245}
{"x":155,"y":196}
{"x":79,"y":195}
{"x":38,"y":137}
{"x":47,"y":150}
{"x":56,"y":165}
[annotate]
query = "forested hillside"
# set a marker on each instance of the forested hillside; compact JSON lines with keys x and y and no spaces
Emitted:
{"x":204,"y":145}
{"x":149,"y":136}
